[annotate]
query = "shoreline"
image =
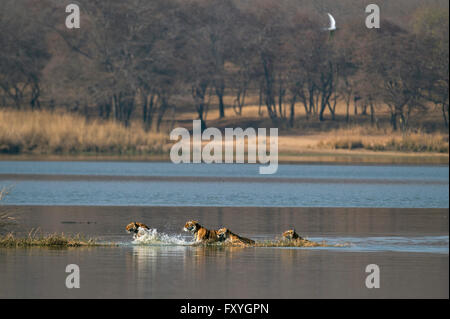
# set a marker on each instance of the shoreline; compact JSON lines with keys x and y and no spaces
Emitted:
{"x":324,"y":157}
{"x":211,"y":179}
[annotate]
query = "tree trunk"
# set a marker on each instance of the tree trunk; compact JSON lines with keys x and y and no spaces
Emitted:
{"x":260,"y":100}
{"x":372,"y":114}
{"x":292,"y":115}
{"x":347,"y":111}
{"x":219,"y":94}
{"x":444,"y":115}
{"x":394,"y":121}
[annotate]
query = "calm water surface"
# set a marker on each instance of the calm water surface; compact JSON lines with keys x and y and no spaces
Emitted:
{"x":392,"y":216}
{"x":434,"y":173}
{"x":135,"y":184}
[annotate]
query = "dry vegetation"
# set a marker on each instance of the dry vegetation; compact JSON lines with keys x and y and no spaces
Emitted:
{"x":274,"y":243}
{"x":43,"y":132}
{"x":385,"y":140}
{"x":45,"y":240}
{"x":358,"y":91}
{"x":38,"y":239}
{"x":291,"y":243}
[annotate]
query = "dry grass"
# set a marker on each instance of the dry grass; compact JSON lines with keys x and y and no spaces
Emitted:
{"x":291,"y":243}
{"x":385,"y":140}
{"x":35,"y":239}
{"x":286,"y":243}
{"x":272,"y":243}
{"x":63,"y":135}
{"x":43,"y":132}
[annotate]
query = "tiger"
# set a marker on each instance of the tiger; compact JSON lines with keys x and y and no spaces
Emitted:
{"x":227,"y":235}
{"x":136,"y":228}
{"x":201,"y":234}
{"x":291,"y":235}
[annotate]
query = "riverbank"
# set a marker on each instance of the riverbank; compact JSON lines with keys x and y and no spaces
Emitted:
{"x":35,"y":239}
{"x":340,"y":157}
{"x":51,"y":136}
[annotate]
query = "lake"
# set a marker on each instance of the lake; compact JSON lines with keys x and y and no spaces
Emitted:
{"x":167,"y":184}
{"x":392,"y":216}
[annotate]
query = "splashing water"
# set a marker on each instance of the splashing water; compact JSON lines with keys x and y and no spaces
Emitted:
{"x":436,"y":244}
{"x":152,"y":237}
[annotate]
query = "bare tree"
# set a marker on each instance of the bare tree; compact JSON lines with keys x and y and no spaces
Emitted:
{"x":24,"y":54}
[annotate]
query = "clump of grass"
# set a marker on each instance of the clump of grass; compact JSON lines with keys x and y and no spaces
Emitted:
{"x":274,"y":243}
{"x":349,"y":144}
{"x":415,"y":143}
{"x":43,"y":132}
{"x":291,"y":243}
{"x":50,"y":240}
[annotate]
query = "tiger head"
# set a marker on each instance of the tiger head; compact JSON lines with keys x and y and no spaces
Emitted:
{"x":290,"y":234}
{"x":134,"y":227}
{"x":192,"y":226}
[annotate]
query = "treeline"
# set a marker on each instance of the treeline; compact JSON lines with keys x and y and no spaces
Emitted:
{"x":147,"y":55}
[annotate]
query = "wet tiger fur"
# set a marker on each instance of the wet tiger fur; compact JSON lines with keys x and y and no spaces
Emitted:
{"x":227,"y":235}
{"x":201,"y":234}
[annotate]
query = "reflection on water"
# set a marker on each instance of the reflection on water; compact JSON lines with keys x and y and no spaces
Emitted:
{"x":430,"y":244}
{"x":199,"y":272}
{"x":409,"y":245}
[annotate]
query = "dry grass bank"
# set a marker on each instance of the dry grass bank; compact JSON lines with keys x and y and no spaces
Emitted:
{"x":49,"y":240}
{"x":62,"y":136}
{"x":26,"y":132}
{"x":385,"y":140}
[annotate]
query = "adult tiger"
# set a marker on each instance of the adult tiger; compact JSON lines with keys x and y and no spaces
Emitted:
{"x":137,"y":229}
{"x":227,"y":235}
{"x":291,"y":235}
{"x":201,"y":234}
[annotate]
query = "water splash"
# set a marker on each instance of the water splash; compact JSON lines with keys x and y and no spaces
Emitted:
{"x":432,"y":244}
{"x":151,"y":237}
